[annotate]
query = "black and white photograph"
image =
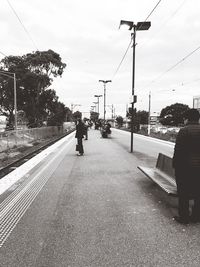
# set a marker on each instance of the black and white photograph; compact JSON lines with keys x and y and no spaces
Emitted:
{"x":99,"y":133}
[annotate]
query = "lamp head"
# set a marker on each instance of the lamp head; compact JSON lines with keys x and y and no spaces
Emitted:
{"x":126,"y":23}
{"x":106,"y":81}
{"x":143,"y":26}
{"x":97,"y":95}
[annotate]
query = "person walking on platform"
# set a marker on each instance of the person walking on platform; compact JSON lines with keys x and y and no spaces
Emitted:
{"x":80,"y":131}
{"x":186,"y":162}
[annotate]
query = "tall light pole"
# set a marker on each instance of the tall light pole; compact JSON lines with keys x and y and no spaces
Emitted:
{"x":7,"y":73}
{"x":98,"y":96}
{"x":95,"y":106}
{"x":104,"y":83}
{"x":149,"y":117}
{"x":112,"y":109}
{"x":140,"y":26}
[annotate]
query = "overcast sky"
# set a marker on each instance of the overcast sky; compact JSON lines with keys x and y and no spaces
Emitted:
{"x":86,"y":34}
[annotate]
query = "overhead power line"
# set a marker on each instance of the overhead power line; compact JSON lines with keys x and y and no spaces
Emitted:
{"x":22,"y":25}
{"x":3,"y":54}
{"x":122,"y":59}
{"x":153,"y":10}
{"x":131,"y":40}
{"x":164,"y":23}
{"x":175,"y":65}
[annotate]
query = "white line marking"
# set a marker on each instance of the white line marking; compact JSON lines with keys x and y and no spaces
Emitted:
{"x":8,"y":180}
{"x":15,"y":206}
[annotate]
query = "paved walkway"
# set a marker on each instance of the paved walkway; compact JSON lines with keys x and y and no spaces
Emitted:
{"x":103,"y":212}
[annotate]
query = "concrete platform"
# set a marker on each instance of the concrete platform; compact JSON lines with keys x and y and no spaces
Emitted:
{"x":100,"y":210}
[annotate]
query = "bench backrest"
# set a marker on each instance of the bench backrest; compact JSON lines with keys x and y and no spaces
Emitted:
{"x":164,"y":164}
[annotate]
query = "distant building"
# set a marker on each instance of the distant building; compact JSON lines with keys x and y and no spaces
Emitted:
{"x":154,"y":118}
{"x":196,"y":102}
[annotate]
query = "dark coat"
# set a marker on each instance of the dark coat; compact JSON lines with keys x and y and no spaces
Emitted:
{"x":186,"y":160}
{"x":80,"y":130}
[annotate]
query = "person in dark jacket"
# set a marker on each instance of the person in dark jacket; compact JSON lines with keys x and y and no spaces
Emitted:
{"x":80,"y":131}
{"x":186,"y":162}
{"x":86,"y":126}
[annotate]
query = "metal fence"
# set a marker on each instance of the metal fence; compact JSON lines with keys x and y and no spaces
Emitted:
{"x":27,"y":137}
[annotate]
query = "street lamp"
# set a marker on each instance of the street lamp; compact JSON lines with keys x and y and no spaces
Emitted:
{"x":98,"y":101}
{"x":104,"y":83}
{"x":7,"y":73}
{"x":112,"y":110}
{"x":140,"y":26}
{"x":149,"y":117}
{"x":93,"y":107}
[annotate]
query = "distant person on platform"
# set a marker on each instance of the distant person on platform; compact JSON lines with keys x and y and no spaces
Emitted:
{"x":186,"y":161}
{"x":86,"y":129}
{"x":80,"y":131}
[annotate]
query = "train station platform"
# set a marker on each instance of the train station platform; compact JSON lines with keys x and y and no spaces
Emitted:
{"x":93,"y":210}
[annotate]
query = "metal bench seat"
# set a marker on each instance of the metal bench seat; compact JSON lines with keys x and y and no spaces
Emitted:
{"x":162,"y":174}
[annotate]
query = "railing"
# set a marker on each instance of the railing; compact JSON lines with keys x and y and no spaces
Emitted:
{"x":27,"y":137}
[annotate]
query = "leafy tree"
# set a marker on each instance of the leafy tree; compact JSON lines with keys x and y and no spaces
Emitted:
{"x":139,"y":117}
{"x":34,"y":72}
{"x":120,"y":120}
{"x":45,"y":62}
{"x":58,"y":114}
{"x":69,"y":116}
{"x":94,"y":116}
{"x":6,"y":97}
{"x":129,"y":115}
{"x":142,"y":116}
{"x":77,"y":115}
{"x":9,"y":66}
{"x":173,"y":114}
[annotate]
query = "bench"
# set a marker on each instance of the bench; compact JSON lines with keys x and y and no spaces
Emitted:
{"x":162,"y":174}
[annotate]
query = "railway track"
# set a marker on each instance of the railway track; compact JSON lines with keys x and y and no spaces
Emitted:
{"x":29,"y":154}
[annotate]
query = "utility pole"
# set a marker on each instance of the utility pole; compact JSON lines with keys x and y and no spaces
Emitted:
{"x":112,"y":111}
{"x":96,"y":107}
{"x":15,"y":101}
{"x":98,"y":96}
{"x":104,"y":83}
{"x":7,"y":73}
{"x":149,"y":117}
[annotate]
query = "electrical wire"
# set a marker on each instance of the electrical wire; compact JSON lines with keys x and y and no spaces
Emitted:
{"x":193,"y":81}
{"x":175,"y":65}
{"x":164,"y":23}
{"x":122,"y":59}
{"x":177,"y":86}
{"x":34,"y":44}
{"x":153,"y":10}
{"x":3,"y":54}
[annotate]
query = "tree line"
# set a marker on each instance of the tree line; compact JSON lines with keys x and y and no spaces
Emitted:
{"x":34,"y":75}
{"x":170,"y":116}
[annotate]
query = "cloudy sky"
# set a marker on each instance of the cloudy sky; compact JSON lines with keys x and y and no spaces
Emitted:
{"x":86,"y":34}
